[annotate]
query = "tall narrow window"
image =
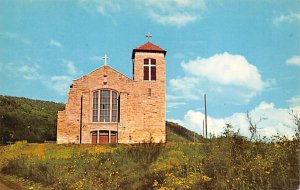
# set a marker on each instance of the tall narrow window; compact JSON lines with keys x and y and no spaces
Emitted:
{"x":114,"y":107}
{"x":95,"y":106}
{"x":149,"y":69}
{"x":104,"y":106}
{"x":146,"y":69}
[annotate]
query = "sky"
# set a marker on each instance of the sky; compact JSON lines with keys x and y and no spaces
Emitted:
{"x":244,"y":55}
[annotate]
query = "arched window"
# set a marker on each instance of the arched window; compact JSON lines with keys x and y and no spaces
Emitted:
{"x":105,"y":106}
{"x":149,"y":69}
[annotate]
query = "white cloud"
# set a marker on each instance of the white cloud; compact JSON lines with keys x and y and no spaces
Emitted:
{"x":167,"y":12}
{"x":104,"y":5}
{"x":294,"y":101}
{"x":264,"y":106}
{"x":175,"y":104}
{"x":173,"y":97}
{"x":296,"y":110}
{"x":101,"y":6}
{"x":96,"y":58}
{"x":59,"y":83}
{"x":29,"y":72}
{"x":225,"y":77}
{"x":175,"y":13}
{"x":194,"y":120}
{"x":276,"y":121}
{"x":15,"y":37}
{"x":26,"y":71}
{"x":55,"y":43}
{"x":71,"y":69}
{"x":186,"y":88}
{"x":177,"y":19}
{"x":289,"y":18}
{"x":170,"y":4}
{"x":294,"y":60}
{"x":226,"y":69}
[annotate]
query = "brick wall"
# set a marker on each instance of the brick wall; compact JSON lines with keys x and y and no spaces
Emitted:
{"x":142,"y":117}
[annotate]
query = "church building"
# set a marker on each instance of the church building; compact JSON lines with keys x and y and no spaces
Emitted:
{"x":107,"y":107}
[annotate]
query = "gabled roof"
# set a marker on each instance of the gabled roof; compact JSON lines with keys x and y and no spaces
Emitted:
{"x":148,"y":47}
{"x":104,"y":67}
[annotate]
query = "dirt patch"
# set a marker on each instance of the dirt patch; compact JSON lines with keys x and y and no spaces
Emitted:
{"x":8,"y":183}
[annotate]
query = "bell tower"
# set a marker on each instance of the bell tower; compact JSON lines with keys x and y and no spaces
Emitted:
{"x":148,"y":62}
{"x":150,"y":83}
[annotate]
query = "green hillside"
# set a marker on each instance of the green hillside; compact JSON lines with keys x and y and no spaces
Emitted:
{"x":177,"y":133}
{"x":27,"y":119}
{"x":35,"y":121}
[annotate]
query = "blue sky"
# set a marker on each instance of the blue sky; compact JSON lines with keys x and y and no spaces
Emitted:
{"x":243,"y":54}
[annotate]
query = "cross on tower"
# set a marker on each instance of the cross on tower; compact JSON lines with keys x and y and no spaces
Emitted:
{"x":148,"y":36}
{"x":105,"y":59}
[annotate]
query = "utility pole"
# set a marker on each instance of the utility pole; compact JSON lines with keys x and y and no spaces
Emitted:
{"x":80,"y":124}
{"x":205,"y":111}
{"x":203,"y":130}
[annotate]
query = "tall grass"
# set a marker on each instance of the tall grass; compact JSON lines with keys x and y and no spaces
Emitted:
{"x":228,"y":162}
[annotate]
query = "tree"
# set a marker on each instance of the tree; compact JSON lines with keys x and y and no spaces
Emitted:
{"x":296,"y":120}
{"x":253,"y":126}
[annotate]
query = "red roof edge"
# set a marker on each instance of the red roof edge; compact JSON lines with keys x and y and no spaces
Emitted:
{"x":148,"y":47}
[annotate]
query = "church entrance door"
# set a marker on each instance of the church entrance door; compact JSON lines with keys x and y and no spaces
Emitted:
{"x":103,"y":137}
{"x":113,"y":137}
{"x":94,"y":138}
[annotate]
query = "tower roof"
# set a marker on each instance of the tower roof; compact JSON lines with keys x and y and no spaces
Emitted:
{"x":148,"y":47}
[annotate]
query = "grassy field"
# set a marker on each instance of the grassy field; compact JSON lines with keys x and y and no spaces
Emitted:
{"x":228,"y":162}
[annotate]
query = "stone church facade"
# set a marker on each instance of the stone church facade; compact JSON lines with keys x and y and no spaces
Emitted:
{"x":106,"y":107}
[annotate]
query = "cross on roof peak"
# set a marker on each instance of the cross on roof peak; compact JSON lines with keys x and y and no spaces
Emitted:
{"x":105,"y":59}
{"x":148,"y":36}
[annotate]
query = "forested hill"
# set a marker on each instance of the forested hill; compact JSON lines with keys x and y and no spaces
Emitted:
{"x":177,"y":133}
{"x":35,"y":121}
{"x":27,"y":119}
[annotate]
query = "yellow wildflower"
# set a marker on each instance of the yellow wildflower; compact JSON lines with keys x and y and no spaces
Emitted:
{"x":206,"y":178}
